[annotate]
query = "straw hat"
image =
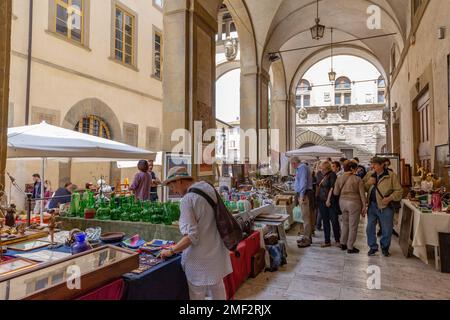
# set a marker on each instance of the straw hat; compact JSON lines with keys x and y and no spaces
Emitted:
{"x":175,"y":174}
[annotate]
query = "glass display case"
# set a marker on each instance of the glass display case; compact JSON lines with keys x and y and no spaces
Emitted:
{"x":70,"y":277}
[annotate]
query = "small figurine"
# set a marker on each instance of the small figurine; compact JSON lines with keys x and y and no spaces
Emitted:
{"x":11,"y":216}
{"x":52,"y":225}
{"x":21,"y":229}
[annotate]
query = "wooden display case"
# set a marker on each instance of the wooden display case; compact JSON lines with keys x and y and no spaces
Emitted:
{"x":58,"y":280}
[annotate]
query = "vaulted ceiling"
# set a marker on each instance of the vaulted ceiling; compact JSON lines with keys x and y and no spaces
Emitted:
{"x":279,"y":25}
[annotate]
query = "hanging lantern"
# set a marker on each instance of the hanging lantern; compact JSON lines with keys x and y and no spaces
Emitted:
{"x":332,"y":74}
{"x":317,"y":31}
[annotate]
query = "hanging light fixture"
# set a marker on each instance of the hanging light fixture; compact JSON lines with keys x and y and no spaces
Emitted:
{"x":318,"y":30}
{"x":332,"y":74}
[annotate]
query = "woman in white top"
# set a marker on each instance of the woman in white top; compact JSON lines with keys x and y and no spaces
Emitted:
{"x":205,"y":259}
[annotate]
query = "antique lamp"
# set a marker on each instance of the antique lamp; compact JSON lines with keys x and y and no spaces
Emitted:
{"x":332,"y":74}
{"x":318,"y":30}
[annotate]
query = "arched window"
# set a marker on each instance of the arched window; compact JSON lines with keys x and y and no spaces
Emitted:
{"x":381,"y":90}
{"x":304,"y":94}
{"x":343,"y":91}
{"x":94,"y":126}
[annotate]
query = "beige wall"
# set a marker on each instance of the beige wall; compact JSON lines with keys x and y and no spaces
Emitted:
{"x":63,"y":74}
{"x":428,"y":53}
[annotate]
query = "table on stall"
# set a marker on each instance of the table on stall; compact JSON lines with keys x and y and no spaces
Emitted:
{"x":165,"y":281}
{"x":419,"y":230}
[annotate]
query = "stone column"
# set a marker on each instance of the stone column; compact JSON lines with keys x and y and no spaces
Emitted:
{"x":189,"y":72}
{"x":248,"y":114}
{"x":292,"y":123}
{"x":5,"y":53}
{"x":279,"y":120}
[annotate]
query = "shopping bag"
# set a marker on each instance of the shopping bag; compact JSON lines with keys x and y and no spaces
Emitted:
{"x":297,"y":213}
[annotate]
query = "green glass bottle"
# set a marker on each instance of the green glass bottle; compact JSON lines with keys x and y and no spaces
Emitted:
{"x":74,"y":205}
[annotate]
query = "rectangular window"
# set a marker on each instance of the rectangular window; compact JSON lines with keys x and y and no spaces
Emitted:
{"x":347,"y":98}
{"x":306,"y":101}
{"x":69,"y":18}
{"x":299,"y":101}
{"x":337,"y":99}
{"x":381,"y":98}
{"x":157,"y":54}
{"x":329,"y":132}
{"x":124,"y":35}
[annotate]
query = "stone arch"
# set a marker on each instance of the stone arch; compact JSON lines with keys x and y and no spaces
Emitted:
{"x":324,"y":53}
{"x":94,"y":107}
{"x":226,"y":67}
{"x":310,"y":138}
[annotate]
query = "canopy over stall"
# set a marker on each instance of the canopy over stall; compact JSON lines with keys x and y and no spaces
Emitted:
{"x":315,"y":152}
{"x":45,"y":141}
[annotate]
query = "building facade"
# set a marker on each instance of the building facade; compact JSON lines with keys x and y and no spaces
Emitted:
{"x":348,"y":114}
{"x":92,"y":66}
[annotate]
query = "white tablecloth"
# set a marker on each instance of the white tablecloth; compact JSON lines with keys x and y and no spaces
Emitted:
{"x":426,"y":229}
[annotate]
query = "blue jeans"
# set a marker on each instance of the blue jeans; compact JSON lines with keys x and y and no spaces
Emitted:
{"x":386,"y":218}
{"x":330,"y":216}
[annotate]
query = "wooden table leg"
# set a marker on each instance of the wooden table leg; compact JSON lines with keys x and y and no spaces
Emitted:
{"x":437,"y":258}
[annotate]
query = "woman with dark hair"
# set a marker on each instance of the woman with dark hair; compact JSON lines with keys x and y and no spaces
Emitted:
{"x":327,"y":205}
{"x":352,"y":202}
{"x":142,"y":182}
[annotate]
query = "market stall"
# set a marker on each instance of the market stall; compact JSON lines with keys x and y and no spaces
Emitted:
{"x":44,"y":141}
{"x":421,"y":228}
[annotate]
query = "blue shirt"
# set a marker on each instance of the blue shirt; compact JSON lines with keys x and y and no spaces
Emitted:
{"x":303,"y":180}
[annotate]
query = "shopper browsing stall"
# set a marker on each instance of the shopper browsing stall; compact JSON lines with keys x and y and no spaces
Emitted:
{"x":383,"y":188}
{"x":36,"y":194}
{"x":61,"y":196}
{"x":142,"y":182}
{"x":303,"y":187}
{"x":205,"y":259}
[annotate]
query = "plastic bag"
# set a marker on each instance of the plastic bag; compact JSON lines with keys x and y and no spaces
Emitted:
{"x":297,"y":213}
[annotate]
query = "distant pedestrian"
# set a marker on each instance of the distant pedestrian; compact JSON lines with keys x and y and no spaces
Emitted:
{"x":352,"y":201}
{"x":142,"y":182}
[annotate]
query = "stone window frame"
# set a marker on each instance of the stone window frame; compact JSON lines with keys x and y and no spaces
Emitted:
{"x":133,"y":127}
{"x":148,"y":146}
{"x":302,"y":93}
{"x":39,"y":114}
{"x":135,"y":38}
{"x":157,"y":6}
{"x":157,"y":31}
{"x":51,"y":26}
{"x":342,"y":92}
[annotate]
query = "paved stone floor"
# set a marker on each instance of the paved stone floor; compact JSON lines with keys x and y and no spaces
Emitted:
{"x":331,"y":274}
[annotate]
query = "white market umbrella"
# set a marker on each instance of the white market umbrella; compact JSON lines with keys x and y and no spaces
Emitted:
{"x":44,"y":141}
{"x":315,"y":152}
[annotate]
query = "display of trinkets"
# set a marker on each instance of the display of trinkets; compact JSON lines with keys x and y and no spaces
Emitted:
{"x":147,"y":261}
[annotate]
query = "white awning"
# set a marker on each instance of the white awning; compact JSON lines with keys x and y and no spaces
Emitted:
{"x":47,"y":141}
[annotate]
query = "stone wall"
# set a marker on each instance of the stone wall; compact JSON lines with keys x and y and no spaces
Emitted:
{"x":358,"y":128}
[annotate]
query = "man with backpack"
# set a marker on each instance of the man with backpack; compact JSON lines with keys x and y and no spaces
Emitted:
{"x":205,"y":258}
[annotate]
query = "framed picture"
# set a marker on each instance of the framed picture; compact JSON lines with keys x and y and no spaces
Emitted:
{"x":441,"y":160}
{"x":405,"y":177}
{"x":15,"y":265}
{"x":28,"y":246}
{"x":172,"y":160}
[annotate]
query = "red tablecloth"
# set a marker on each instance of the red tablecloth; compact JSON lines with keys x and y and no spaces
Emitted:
{"x":242,"y":264}
{"x":112,"y":291}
